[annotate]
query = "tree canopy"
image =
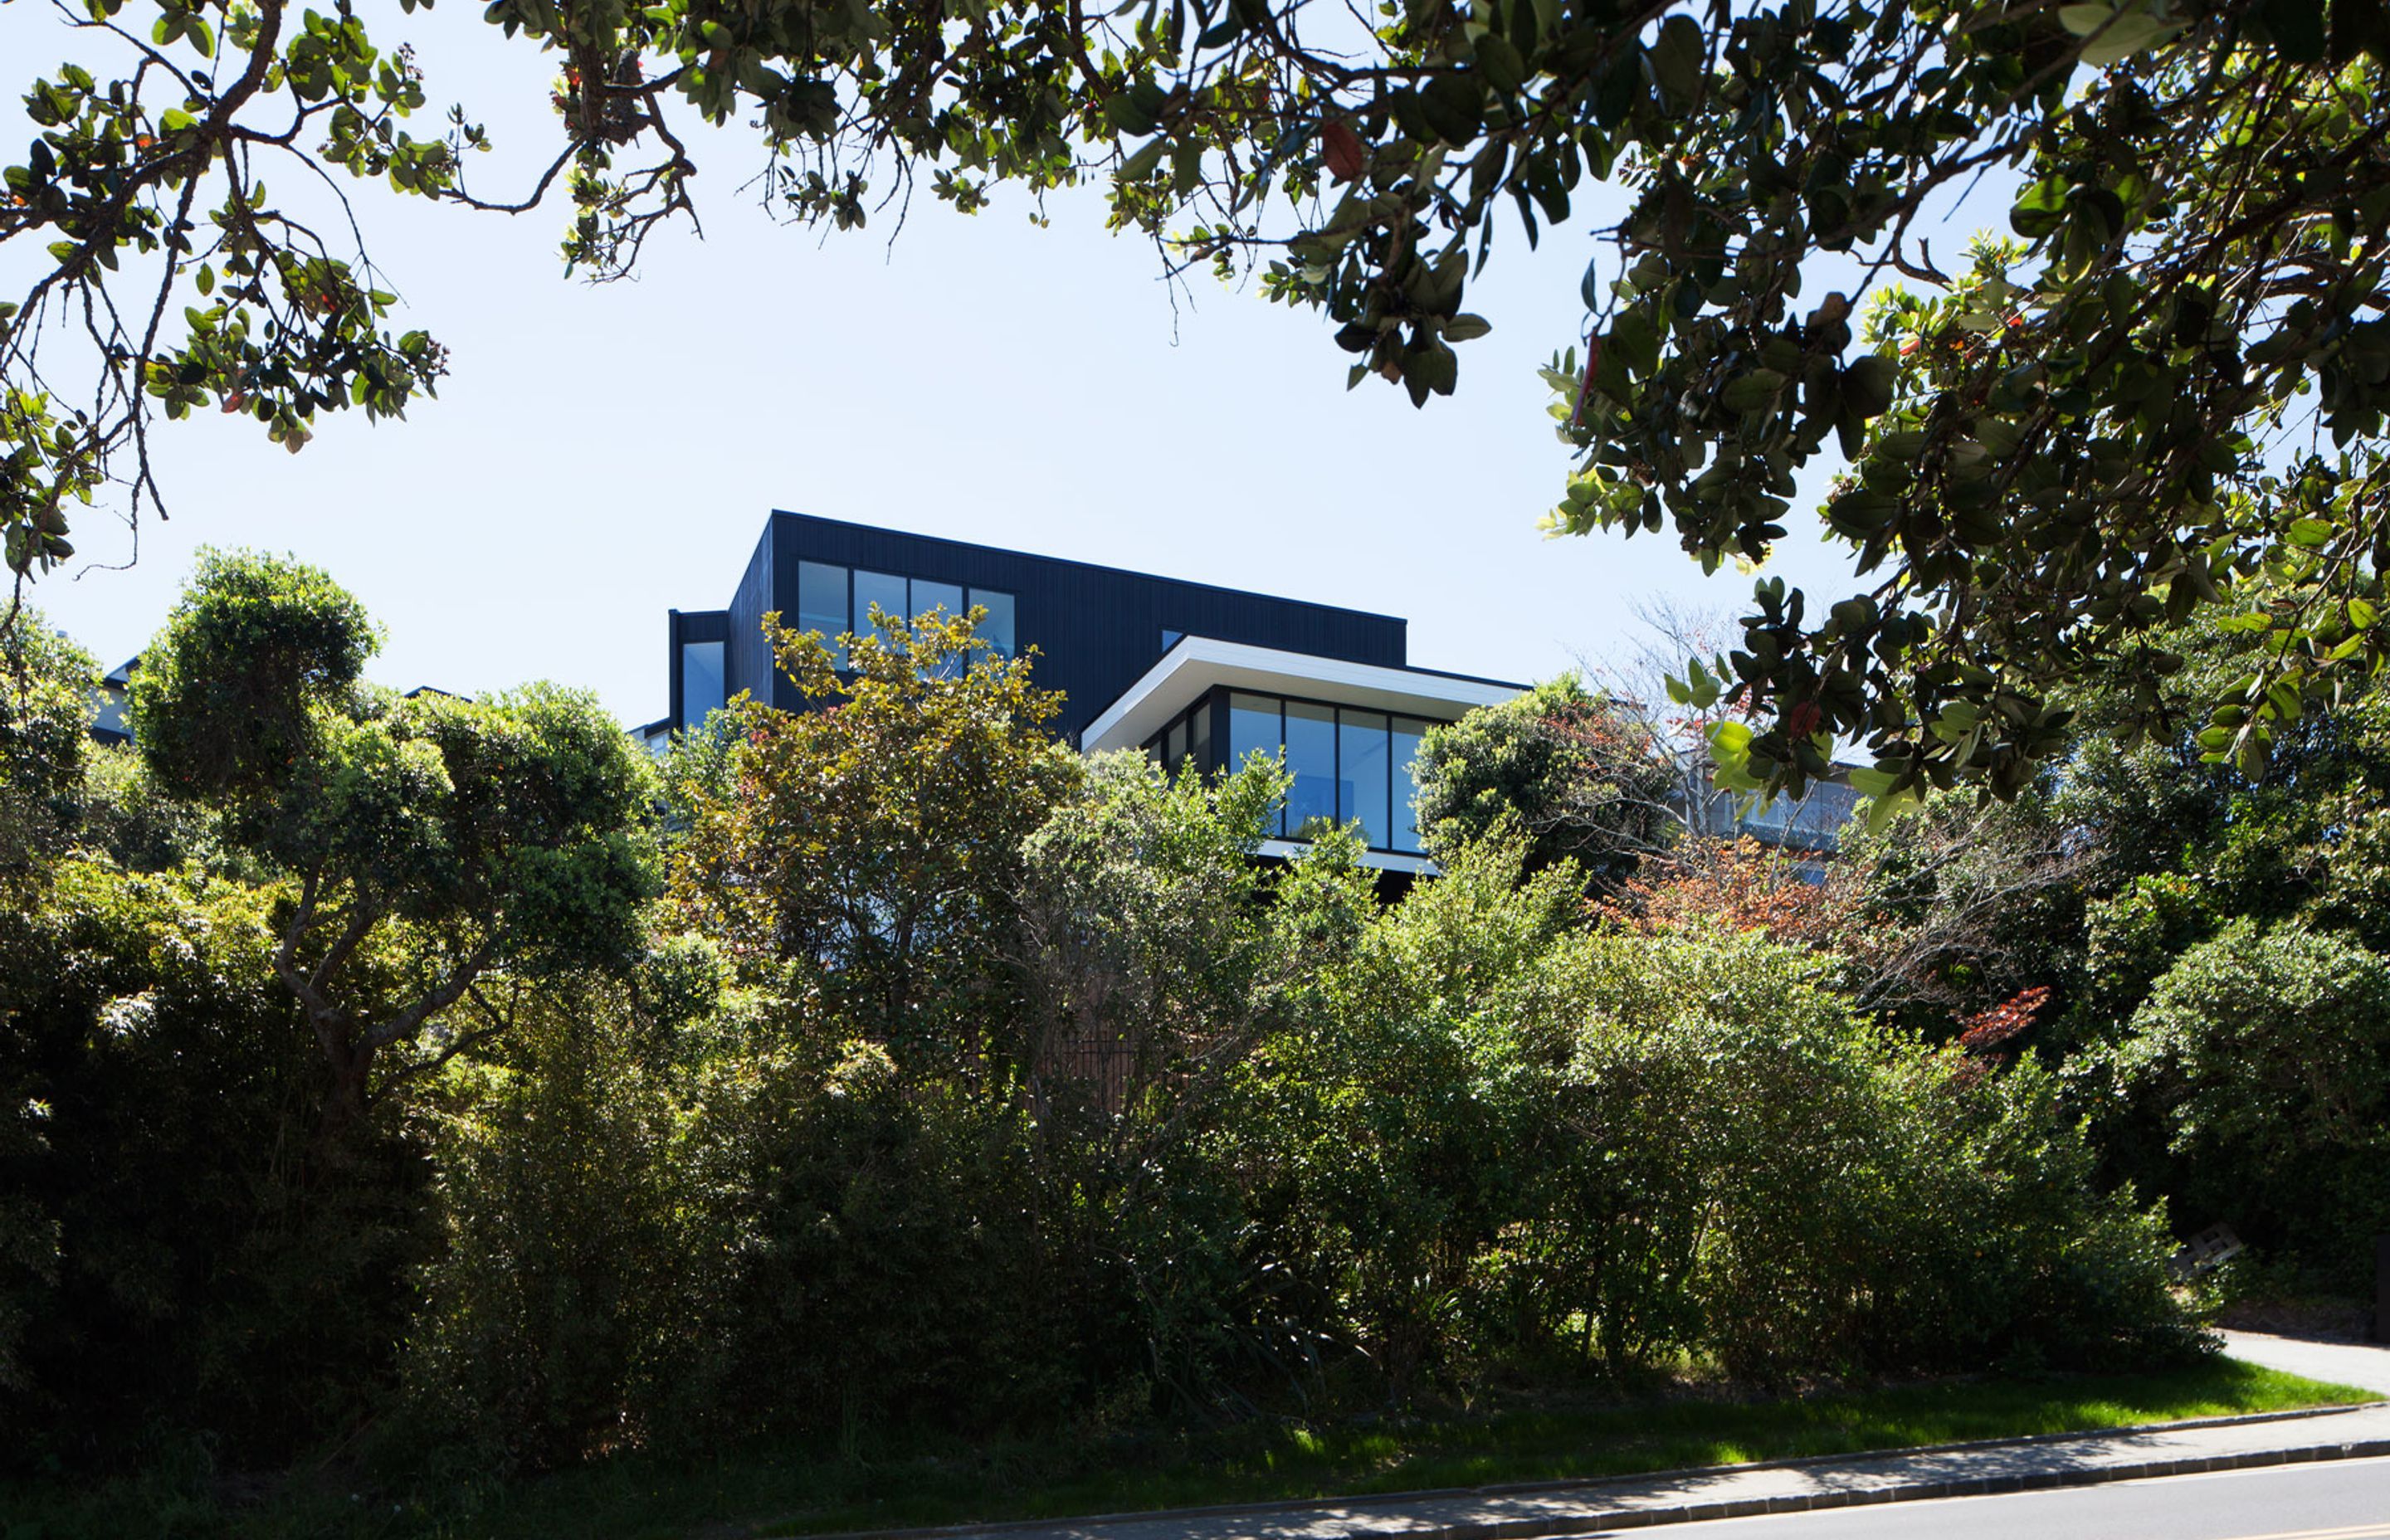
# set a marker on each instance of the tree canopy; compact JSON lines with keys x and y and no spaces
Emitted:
{"x":431,"y":844}
{"x":2161,"y":389}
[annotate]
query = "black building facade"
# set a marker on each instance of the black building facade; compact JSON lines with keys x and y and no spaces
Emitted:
{"x":1096,"y":628}
{"x":1181,"y":669}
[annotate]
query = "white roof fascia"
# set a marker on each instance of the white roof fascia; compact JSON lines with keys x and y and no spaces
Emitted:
{"x":1380,"y":860}
{"x":1197,"y":664}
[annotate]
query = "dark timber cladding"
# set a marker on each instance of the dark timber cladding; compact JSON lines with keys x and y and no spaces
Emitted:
{"x":1097,"y":629}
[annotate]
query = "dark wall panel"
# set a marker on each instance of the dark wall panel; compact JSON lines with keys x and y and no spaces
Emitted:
{"x":749,"y":664}
{"x":1097,"y":628}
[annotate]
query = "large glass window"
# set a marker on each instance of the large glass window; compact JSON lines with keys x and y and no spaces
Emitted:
{"x":1361,"y":789}
{"x":996,"y":626}
{"x":1254,"y":728}
{"x":884,"y":590}
{"x":947,"y":596}
{"x":821,"y":603}
{"x":827,"y":603}
{"x":1407,"y":731}
{"x":937,"y":595}
{"x":1311,"y":755}
{"x":701,"y":681}
{"x":1349,"y":766}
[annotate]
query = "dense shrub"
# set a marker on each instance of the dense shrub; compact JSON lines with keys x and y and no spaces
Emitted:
{"x":1584,"y":780}
{"x":203,"y":1268}
{"x":1499,"y":1134}
{"x":2265,"y":1056}
{"x":1760,"y":1176}
{"x":960,"y":1082}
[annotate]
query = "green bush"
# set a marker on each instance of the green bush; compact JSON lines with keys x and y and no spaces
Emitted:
{"x":1584,"y":780}
{"x":2265,"y":1054}
{"x":203,"y":1271}
{"x":1758,"y":1176}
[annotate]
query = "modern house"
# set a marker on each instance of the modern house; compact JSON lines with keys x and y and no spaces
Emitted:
{"x":1184,"y":669}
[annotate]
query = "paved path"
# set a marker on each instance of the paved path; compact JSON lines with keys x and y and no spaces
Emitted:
{"x":1697,"y":1496}
{"x":2363,"y":1364}
{"x":2344,"y":1500}
{"x":1514,"y":1513}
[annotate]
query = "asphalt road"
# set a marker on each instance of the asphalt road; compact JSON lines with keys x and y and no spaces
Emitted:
{"x":2331,"y":1500}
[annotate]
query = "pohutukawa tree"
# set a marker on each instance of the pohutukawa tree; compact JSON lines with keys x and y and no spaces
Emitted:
{"x":2160,"y":389}
{"x":432,"y":847}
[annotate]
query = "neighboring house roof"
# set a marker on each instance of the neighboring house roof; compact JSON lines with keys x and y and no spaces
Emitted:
{"x":108,"y":724}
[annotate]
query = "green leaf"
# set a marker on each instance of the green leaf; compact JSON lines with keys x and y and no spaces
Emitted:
{"x":2308,"y":531}
{"x":1455,"y":106}
{"x":1148,"y":157}
{"x":2115,"y":35}
{"x":1505,"y":71}
{"x":1128,"y":118}
{"x":2040,"y":209}
{"x":1872,"y":783}
{"x":1677,"y":58}
{"x":2082,"y":20}
{"x":1868,"y":384}
{"x":1466,"y":327}
{"x":1883,"y":811}
{"x":1753,"y":392}
{"x":2361,"y":614}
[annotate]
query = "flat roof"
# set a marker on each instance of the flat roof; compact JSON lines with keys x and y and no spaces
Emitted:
{"x":1073,"y":562}
{"x":1198,"y":663}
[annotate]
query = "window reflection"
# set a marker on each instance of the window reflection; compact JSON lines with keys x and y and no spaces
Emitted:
{"x":1350,"y":766}
{"x":1311,"y":755}
{"x":701,"y":681}
{"x":1361,"y":791}
{"x":1253,"y":729}
{"x":828,"y":603}
{"x":884,"y":591}
{"x":996,"y":626}
{"x":927,"y":596}
{"x":821,"y":603}
{"x":1407,"y":731}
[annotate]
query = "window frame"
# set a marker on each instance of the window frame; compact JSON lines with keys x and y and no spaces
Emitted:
{"x":856,"y":625}
{"x":1216,"y":751}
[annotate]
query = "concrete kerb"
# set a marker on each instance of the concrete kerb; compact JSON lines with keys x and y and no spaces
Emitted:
{"x":1593,"y":1518}
{"x":1599,"y":1520}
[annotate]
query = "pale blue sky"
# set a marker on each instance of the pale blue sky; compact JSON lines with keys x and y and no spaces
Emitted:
{"x":603,"y":455}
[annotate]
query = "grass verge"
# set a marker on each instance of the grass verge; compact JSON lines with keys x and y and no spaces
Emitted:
{"x":891,"y":1484}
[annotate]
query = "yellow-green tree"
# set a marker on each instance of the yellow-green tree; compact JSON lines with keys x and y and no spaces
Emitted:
{"x":865,"y":855}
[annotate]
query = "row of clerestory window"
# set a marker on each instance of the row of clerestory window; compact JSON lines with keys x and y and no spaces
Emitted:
{"x":838,"y":601}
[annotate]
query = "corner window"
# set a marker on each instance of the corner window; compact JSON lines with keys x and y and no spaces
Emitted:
{"x":1407,"y":733}
{"x":1349,"y":766}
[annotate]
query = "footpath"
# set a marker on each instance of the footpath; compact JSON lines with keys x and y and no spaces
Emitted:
{"x":1554,"y":1509}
